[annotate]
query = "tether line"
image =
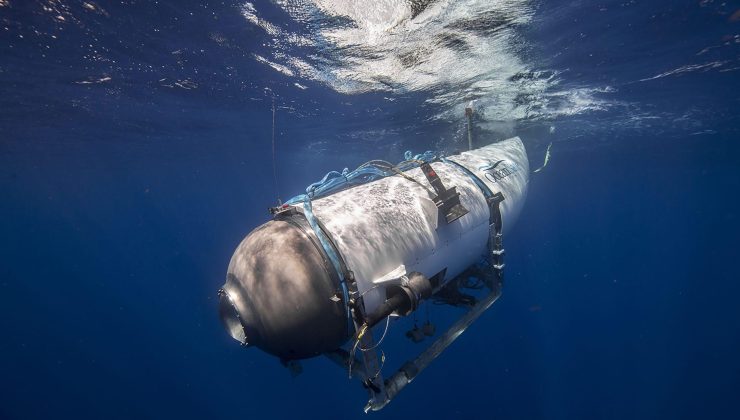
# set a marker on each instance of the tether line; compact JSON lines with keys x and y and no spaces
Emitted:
{"x":274,"y":160}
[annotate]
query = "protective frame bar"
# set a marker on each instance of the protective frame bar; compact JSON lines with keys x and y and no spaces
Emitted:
{"x":411,"y":369}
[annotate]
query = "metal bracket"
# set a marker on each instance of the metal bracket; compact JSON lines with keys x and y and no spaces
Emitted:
{"x":282,"y":210}
{"x":447,"y":199}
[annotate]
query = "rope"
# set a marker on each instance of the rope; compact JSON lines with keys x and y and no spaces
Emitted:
{"x":334,"y":181}
{"x":274,"y":160}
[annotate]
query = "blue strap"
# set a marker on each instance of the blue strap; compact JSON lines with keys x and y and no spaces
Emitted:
{"x":330,"y":252}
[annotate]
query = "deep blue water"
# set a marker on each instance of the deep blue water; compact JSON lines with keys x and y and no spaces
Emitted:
{"x":135,"y":154}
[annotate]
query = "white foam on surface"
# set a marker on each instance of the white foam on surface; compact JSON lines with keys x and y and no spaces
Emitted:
{"x":453,"y":51}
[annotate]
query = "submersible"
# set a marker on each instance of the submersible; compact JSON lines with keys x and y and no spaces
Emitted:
{"x":362,"y":246}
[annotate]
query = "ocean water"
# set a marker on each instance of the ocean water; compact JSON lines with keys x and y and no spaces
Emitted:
{"x":136,"y":152}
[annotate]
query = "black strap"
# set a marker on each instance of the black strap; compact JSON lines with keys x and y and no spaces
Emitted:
{"x":496,"y":237}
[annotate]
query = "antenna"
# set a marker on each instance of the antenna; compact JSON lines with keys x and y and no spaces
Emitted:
{"x":469,"y":115}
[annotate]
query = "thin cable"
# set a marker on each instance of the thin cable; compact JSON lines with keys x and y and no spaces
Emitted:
{"x":360,"y":334}
{"x":382,"y":364}
{"x":274,"y":160}
{"x":387,"y":322}
{"x":356,"y":346}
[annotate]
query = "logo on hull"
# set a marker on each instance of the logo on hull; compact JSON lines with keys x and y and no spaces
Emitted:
{"x":499,"y":170}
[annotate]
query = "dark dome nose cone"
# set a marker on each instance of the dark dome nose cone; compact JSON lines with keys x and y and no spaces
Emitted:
{"x":280,"y":289}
